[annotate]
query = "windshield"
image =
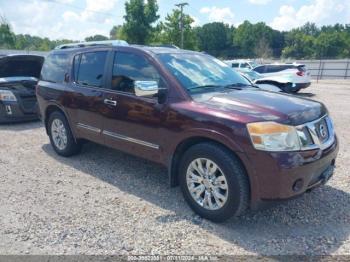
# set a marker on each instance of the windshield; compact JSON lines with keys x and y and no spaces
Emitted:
{"x":252,"y":75}
{"x":200,"y":72}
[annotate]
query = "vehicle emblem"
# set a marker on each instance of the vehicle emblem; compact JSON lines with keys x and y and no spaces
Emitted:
{"x":323,"y":131}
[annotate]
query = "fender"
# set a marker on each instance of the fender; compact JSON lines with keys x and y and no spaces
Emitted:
{"x":55,"y":104}
{"x":197,"y":134}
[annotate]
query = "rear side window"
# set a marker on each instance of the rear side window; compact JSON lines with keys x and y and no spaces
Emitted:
{"x":91,"y":68}
{"x":302,"y":68}
{"x":260,"y":69}
{"x":235,"y":65}
{"x":274,"y":68}
{"x":55,"y":68}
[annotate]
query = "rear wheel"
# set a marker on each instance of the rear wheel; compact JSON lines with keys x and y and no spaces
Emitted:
{"x":61,"y":137}
{"x":214,"y":182}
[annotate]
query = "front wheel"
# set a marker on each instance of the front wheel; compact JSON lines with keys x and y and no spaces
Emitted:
{"x":214,"y":182}
{"x":61,"y":137}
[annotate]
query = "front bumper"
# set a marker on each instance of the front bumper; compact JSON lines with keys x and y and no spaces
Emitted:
{"x":13,"y":112}
{"x":277,"y":173}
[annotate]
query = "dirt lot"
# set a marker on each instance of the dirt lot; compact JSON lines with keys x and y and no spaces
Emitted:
{"x":106,"y":202}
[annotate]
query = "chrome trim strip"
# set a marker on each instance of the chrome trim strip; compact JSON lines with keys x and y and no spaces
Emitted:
{"x":130,"y":139}
{"x":312,"y":130}
{"x":91,"y":128}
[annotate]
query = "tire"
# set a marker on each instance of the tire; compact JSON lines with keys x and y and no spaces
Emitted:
{"x":68,"y":148}
{"x":237,"y":194}
{"x":295,"y":91}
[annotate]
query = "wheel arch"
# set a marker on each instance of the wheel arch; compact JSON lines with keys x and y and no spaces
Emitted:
{"x":49,"y":110}
{"x":184,"y":145}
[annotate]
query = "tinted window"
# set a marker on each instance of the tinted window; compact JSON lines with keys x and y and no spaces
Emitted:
{"x":302,"y":68}
{"x":235,"y":65}
{"x":91,"y":68}
{"x":245,"y":65}
{"x":260,"y":69}
{"x":274,"y":68}
{"x":55,"y":67}
{"x":128,"y":68}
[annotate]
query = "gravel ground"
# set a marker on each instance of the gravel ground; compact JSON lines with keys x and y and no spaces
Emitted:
{"x":107,"y":202}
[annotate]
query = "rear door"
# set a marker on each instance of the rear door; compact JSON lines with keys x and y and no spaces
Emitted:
{"x":131,"y":122}
{"x":86,"y":95}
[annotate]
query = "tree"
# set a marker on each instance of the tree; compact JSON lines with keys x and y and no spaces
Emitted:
{"x":7,"y":37}
{"x":214,"y":38}
{"x":172,"y":32}
{"x":298,"y":45}
{"x":117,"y":32}
{"x":247,"y":37}
{"x":310,"y":29}
{"x":263,"y":49}
{"x":96,"y":38}
{"x":140,"y":16}
{"x":332,"y":45}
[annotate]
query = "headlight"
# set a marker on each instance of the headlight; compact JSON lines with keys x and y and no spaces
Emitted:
{"x":6,"y":95}
{"x":271,"y":136}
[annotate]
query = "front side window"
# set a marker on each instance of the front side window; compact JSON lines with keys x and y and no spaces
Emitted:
{"x":198,"y":72}
{"x":245,"y":65}
{"x":127,"y":68}
{"x":91,"y":68}
{"x":55,"y":68}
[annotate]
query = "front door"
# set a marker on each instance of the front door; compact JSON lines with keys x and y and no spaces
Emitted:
{"x":132,"y":122}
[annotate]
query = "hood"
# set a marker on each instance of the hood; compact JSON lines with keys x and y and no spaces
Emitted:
{"x":21,"y":66}
{"x":253,"y":105}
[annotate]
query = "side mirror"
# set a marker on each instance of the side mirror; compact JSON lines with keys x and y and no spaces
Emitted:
{"x":66,"y":78}
{"x":146,"y":88}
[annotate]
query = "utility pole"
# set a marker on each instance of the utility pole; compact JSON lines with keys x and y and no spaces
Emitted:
{"x":181,"y":5}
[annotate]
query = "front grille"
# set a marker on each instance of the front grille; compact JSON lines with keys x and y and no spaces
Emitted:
{"x":317,"y":134}
{"x":28,"y":104}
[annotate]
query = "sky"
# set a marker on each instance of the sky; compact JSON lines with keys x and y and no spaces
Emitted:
{"x":77,"y":19}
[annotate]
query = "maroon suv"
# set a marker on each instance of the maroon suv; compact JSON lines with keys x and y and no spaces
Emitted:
{"x":230,"y":145}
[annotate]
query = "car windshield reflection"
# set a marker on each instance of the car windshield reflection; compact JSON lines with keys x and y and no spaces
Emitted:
{"x":201,"y":73}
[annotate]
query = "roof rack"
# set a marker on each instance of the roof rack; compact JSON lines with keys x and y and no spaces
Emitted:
{"x":93,"y":43}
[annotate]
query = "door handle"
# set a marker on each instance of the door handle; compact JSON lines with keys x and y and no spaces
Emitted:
{"x":110,"y":102}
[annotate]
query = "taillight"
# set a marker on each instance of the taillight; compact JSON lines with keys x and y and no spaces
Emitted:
{"x":300,"y":73}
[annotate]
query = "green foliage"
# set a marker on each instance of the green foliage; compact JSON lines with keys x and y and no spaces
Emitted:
{"x":7,"y":37}
{"x":96,"y":38}
{"x":299,"y":45}
{"x":214,"y":38}
{"x":257,"y":40}
{"x":171,"y":31}
{"x":309,"y":41}
{"x":139,"y":20}
{"x":248,"y":40}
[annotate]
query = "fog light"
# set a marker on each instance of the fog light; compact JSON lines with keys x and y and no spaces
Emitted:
{"x":298,"y":185}
{"x":8,"y":110}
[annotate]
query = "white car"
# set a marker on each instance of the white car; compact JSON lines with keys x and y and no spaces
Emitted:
{"x":296,"y":74}
{"x":281,"y":83}
{"x":241,"y":65}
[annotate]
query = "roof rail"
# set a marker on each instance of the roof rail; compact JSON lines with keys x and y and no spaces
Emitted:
{"x":93,"y":43}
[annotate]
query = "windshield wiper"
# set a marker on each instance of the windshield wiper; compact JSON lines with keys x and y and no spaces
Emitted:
{"x":239,"y":86}
{"x":205,"y":86}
